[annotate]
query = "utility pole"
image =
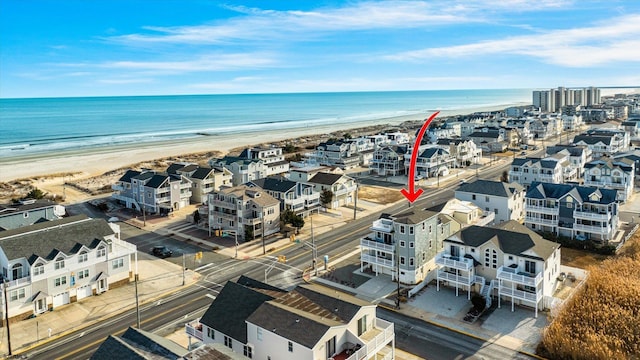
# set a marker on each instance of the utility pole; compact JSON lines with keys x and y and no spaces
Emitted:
{"x":137,"y":303}
{"x":313,"y":249}
{"x":264,"y":249}
{"x":355,"y":206}
{"x":398,"y":277}
{"x":183,"y":268}
{"x":6,"y":315}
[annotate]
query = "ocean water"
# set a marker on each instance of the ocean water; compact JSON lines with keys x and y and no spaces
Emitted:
{"x":41,"y":125}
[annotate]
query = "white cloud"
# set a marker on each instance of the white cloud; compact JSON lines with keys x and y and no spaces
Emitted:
{"x":616,"y":40}
{"x":125,"y":81}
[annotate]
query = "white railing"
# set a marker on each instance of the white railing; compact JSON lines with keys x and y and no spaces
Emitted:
{"x":540,"y":221}
{"x":370,"y":348}
{"x":520,"y":294}
{"x":372,"y":244}
{"x":117,"y":187}
{"x":454,"y":262}
{"x":121,"y":243}
{"x":19,"y":282}
{"x":459,"y":279}
{"x":512,"y":275}
{"x":194,"y":329}
{"x":374,"y":260}
{"x":591,"y":215}
{"x":378,"y":225}
{"x":591,"y":228}
{"x":346,"y":190}
{"x":486,"y":218}
{"x":541,"y":209}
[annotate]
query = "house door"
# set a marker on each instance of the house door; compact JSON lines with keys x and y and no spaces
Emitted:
{"x":102,"y":285}
{"x":331,"y":347}
{"x":40,"y":306}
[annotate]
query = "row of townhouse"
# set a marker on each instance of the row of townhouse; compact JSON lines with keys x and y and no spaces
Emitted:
{"x":581,"y":212}
{"x":578,"y":155}
{"x":603,"y":141}
{"x":618,"y":174}
{"x":342,"y":187}
{"x":203,"y":179}
{"x":28,"y":212}
{"x":152,"y":191}
{"x":310,"y":322}
{"x":301,"y":198}
{"x":53,"y":263}
{"x":551,"y":169}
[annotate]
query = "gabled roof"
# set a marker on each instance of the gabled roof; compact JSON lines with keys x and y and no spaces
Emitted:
{"x":47,"y":239}
{"x":144,"y":175}
{"x":490,"y":134}
{"x":202,"y":172}
{"x":254,"y":194}
{"x":591,"y":139}
{"x":431,"y":152}
{"x":581,"y":193}
{"x":325,"y":178}
{"x":128,"y":175}
{"x":173,"y":168}
{"x":157,"y":180}
{"x":6,"y":209}
{"x":574,"y":150}
{"x":274,"y":184}
{"x":511,"y":237}
{"x":489,"y":187}
{"x":138,"y":344}
{"x":231,"y":308}
{"x":623,"y":164}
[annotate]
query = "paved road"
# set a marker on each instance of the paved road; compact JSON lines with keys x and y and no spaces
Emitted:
{"x":190,"y":303}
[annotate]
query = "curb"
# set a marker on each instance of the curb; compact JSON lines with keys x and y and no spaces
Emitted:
{"x":462,"y":332}
{"x":27,"y":348}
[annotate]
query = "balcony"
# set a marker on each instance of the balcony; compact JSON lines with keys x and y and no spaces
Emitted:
{"x":597,"y":229}
{"x":541,"y":209}
{"x":518,"y":277}
{"x":117,"y":187}
{"x":374,"y":260}
{"x":533,"y":297}
{"x":591,"y":215}
{"x":26,"y":280}
{"x":194,"y":329}
{"x":531,"y":219}
{"x":454,"y":277}
{"x":381,"y":225}
{"x":374,"y":340}
{"x":454,"y":262}
{"x":368,"y":243}
{"x":345,"y":190}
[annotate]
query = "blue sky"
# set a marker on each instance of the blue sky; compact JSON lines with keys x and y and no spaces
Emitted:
{"x":58,"y":48}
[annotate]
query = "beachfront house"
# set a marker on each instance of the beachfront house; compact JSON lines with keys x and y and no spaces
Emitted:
{"x":53,"y":263}
{"x":152,"y":192}
{"x":28,"y":212}
{"x":253,"y":163}
{"x":272,"y":157}
{"x":507,"y":261}
{"x":388,"y":160}
{"x":506,"y":200}
{"x":618,"y":174}
{"x":343,"y":189}
{"x":299,"y":197}
{"x":307,"y":323}
{"x":341,"y":153}
{"x":580,"y":212}
{"x":203,"y":179}
{"x":248,"y":211}
{"x":405,"y":245}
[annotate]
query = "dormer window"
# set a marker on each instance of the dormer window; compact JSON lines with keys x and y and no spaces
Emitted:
{"x":82,"y":257}
{"x":102,"y":251}
{"x":38,"y":269}
{"x":59,"y":264}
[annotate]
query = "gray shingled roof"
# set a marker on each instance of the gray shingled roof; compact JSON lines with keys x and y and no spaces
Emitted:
{"x":325,"y":178}
{"x":128,"y":175}
{"x":46,"y":239}
{"x":201,"y":173}
{"x":231,"y":308}
{"x":138,"y":344}
{"x":414,"y":216}
{"x":512,"y":238}
{"x":274,"y":184}
{"x":590,"y":139}
{"x":581,"y":193}
{"x":157,"y":180}
{"x":6,"y":209}
{"x":622,"y":163}
{"x":489,"y":187}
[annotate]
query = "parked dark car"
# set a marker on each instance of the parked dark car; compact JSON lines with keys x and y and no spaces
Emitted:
{"x":161,"y":251}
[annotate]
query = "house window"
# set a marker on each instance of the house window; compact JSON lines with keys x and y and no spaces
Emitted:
{"x":17,"y":294}
{"x":362,"y":325}
{"x":430,"y":229}
{"x":59,"y":264}
{"x":38,"y":269}
{"x":424,"y":256}
{"x":411,"y":244}
{"x":83,"y":257}
{"x":402,"y":243}
{"x":248,"y":351}
{"x":83,"y":274}
{"x":290,"y":346}
{"x":118,"y":263}
{"x":102,"y":251}
{"x":495,"y":211}
{"x":401,"y":229}
{"x":411,"y":261}
{"x":60,"y":281}
{"x":228,"y":342}
{"x":486,"y":198}
{"x":211,"y":334}
{"x":402,"y":260}
{"x":473,"y":197}
{"x":429,"y":244}
{"x":259,"y":333}
{"x":410,"y":230}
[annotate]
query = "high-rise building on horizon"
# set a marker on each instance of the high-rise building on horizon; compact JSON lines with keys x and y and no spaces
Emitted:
{"x":553,"y":100}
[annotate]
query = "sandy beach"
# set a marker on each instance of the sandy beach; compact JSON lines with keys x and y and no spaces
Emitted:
{"x":45,"y":171}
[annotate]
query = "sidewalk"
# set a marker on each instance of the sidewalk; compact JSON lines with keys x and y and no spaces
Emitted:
{"x":157,"y":278}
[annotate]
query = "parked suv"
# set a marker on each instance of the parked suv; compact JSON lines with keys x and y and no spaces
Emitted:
{"x":161,"y":251}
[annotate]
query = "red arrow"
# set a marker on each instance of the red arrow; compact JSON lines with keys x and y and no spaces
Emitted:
{"x":413,"y":195}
